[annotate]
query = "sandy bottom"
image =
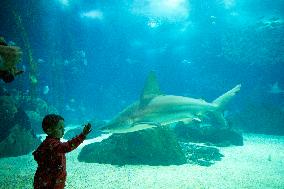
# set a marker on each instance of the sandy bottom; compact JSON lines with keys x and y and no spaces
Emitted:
{"x":257,"y":164}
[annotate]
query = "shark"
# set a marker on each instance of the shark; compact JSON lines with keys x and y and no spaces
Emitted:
{"x":155,"y":109}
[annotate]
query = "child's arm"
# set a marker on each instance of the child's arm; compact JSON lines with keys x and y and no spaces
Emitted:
{"x":64,"y":147}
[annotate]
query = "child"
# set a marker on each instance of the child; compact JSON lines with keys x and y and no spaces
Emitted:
{"x":50,"y":155}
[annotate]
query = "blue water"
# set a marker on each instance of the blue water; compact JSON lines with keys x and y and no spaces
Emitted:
{"x":89,"y":59}
{"x":95,"y":55}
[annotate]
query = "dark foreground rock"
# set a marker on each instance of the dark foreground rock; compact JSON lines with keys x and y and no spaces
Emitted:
{"x":149,"y":147}
{"x":209,"y":135}
{"x":19,"y":141}
{"x":16,"y":135}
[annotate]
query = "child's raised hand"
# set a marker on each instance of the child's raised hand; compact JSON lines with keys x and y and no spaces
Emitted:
{"x":87,"y":129}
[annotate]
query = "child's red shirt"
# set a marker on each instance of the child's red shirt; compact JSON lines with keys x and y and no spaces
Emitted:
{"x":50,"y":156}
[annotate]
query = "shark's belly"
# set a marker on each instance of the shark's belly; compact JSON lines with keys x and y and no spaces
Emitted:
{"x":165,"y":117}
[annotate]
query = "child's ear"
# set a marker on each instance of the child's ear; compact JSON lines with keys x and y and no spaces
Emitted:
{"x":48,"y":131}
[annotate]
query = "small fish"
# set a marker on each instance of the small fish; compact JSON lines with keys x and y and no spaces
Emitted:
{"x":11,"y":43}
{"x":82,"y":53}
{"x":66,"y":62}
{"x":45,"y":90}
{"x":184,"y":61}
{"x":33,"y":79}
{"x":40,"y":61}
{"x":213,"y":19}
{"x":68,"y":108}
{"x":24,"y":68}
{"x":85,"y":62}
{"x":93,"y":14}
{"x":64,"y":2}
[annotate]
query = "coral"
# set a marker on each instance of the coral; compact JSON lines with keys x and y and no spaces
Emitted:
{"x":33,"y":104}
{"x":11,"y":56}
{"x":35,"y":119}
{"x":7,"y":107}
{"x":36,"y":109}
{"x":3,"y":91}
{"x":200,"y":154}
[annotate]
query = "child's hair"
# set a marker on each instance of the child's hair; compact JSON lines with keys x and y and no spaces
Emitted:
{"x":50,"y":121}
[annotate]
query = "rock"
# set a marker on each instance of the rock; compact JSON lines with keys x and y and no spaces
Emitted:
{"x":260,"y":118}
{"x":8,"y":110}
{"x":209,"y":134}
{"x":16,"y":135}
{"x":20,"y":141}
{"x":151,"y":147}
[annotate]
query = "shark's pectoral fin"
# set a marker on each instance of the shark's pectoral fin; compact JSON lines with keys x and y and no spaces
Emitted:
{"x":191,"y":120}
{"x":138,"y":126}
{"x":144,"y":125}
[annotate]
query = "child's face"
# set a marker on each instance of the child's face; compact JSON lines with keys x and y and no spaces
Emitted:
{"x":58,"y":130}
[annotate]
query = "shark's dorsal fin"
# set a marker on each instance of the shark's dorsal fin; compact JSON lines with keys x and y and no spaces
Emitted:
{"x":151,"y":89}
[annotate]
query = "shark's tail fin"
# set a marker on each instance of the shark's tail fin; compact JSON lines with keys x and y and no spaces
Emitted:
{"x":224,"y":99}
{"x":221,"y":103}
